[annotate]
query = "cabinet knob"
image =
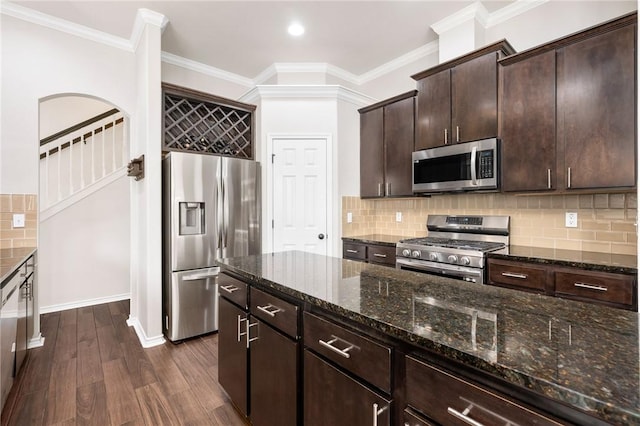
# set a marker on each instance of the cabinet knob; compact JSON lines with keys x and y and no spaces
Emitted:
{"x":321,"y":236}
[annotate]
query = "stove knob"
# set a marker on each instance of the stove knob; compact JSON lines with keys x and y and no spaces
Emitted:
{"x":415,"y":254}
{"x":452,"y":258}
{"x":465,"y":260}
{"x":406,"y":253}
{"x":433,"y":256}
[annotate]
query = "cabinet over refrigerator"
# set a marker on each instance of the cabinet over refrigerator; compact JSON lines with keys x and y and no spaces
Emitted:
{"x":211,"y":210}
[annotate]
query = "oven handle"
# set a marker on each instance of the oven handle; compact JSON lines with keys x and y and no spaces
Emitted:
{"x":439,"y":268}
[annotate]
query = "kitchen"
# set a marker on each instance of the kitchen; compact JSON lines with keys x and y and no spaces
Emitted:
{"x":145,"y":299}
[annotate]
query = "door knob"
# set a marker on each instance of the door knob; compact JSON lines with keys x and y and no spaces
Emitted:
{"x":321,"y":236}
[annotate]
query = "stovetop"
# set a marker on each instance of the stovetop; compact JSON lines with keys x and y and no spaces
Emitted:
{"x":481,"y":246}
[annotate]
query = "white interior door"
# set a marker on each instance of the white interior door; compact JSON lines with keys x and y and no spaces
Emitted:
{"x":300,"y":195}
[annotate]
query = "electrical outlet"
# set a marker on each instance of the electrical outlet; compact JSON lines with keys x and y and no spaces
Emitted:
{"x":18,"y":220}
{"x":349,"y":217}
{"x":398,"y":216}
{"x":571,"y":220}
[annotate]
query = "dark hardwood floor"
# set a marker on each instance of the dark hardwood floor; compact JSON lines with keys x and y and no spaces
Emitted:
{"x":92,"y":370}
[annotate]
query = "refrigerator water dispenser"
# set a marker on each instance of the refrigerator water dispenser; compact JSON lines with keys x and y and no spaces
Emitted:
{"x":191,"y":218}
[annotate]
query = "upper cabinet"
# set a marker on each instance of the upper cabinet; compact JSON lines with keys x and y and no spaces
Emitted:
{"x":568,"y":112}
{"x":386,"y":144}
{"x":458,"y":100}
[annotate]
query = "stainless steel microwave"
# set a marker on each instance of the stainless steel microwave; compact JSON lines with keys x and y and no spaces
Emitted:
{"x":468,"y":166}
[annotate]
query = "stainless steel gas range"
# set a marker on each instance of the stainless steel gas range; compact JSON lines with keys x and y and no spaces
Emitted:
{"x":456,"y":246}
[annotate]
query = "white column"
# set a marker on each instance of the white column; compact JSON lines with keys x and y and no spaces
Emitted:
{"x":146,"y":205}
{"x":461,"y":33}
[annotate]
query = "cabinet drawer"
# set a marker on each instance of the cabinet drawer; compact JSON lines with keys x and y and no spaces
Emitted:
{"x":450,"y":400}
{"x":233,"y":289}
{"x":381,"y":254}
{"x":411,"y":419}
{"x":275,"y":311}
{"x":354,"y":251}
{"x":601,"y":286}
{"x":356,"y":353}
{"x":513,"y":274}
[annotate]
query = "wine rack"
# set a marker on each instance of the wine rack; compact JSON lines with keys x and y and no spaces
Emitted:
{"x":198,"y":122}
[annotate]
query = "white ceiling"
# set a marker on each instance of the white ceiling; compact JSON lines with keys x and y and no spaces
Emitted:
{"x":246,"y":37}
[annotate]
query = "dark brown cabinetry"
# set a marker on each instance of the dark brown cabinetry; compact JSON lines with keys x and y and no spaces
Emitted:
{"x":606,"y":288}
{"x":336,"y":395}
{"x":451,"y":400}
{"x":568,"y":112}
{"x":458,"y":100}
{"x":333,"y":398}
{"x":386,"y":144}
{"x":233,"y":354}
{"x":372,"y":253}
{"x":258,"y":353}
{"x":527,"y":124}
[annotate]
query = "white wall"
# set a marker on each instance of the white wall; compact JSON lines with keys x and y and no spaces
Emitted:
{"x":83,"y":252}
{"x":202,"y":81}
{"x":38,"y":62}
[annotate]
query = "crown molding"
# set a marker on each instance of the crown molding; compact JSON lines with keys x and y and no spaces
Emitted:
{"x":39,"y":18}
{"x":399,"y":62}
{"x":512,"y":10}
{"x":475,"y":11}
{"x":267,"y":91}
{"x":146,"y":17}
{"x":196,"y":66}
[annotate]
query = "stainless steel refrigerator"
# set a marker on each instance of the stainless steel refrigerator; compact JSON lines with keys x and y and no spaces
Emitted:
{"x":211,"y":210}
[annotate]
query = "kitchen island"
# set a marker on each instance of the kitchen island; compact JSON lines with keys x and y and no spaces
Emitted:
{"x":567,"y":361}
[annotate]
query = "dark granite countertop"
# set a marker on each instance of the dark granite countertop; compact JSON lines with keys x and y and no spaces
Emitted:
{"x":580,"y":354}
{"x":382,"y":239}
{"x":605,"y":262}
{"x":11,"y":259}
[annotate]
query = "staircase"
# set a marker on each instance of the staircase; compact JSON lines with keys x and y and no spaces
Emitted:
{"x":80,"y":160}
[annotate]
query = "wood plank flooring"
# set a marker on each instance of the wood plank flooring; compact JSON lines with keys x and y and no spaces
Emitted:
{"x":92,"y":370}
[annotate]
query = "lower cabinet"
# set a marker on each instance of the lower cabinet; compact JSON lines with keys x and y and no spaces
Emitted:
{"x":371,"y":253}
{"x":257,"y":360}
{"x":331,"y":397}
{"x":233,"y":354}
{"x":450,"y":400}
{"x":605,"y":288}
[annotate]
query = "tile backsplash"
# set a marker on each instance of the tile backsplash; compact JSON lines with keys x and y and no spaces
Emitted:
{"x":10,"y":204}
{"x":606,"y":222}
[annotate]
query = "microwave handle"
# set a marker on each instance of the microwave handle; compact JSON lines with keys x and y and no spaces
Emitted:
{"x":474,"y":180}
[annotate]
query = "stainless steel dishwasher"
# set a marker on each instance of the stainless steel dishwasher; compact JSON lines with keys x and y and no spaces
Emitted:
{"x":8,"y":328}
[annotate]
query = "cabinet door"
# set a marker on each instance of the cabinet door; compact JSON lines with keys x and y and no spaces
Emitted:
{"x":528,"y":124}
{"x":433,"y":119}
{"x":474,"y":99}
{"x":333,"y":398}
{"x":274,"y":377}
{"x":398,"y":147}
{"x":372,"y":153}
{"x":597,"y":111}
{"x":232,"y":353}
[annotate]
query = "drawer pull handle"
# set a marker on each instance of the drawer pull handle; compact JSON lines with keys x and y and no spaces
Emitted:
{"x":590,"y":286}
{"x":463,"y":416}
{"x":514,"y":275}
{"x":269,"y":310}
{"x":341,"y":352}
{"x":376,"y":413}
{"x":379,"y":255}
{"x":352,"y":251}
{"x":229,"y":288}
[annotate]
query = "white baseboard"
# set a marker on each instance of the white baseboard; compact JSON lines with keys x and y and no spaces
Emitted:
{"x":146,"y":342}
{"x":36,"y":342}
{"x":84,"y":303}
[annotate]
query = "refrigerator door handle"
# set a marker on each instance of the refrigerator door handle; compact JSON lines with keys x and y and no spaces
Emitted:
{"x":210,"y":273}
{"x":225,"y":206}
{"x":219,"y":195}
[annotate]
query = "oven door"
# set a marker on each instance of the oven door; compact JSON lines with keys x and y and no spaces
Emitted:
{"x":475,"y":275}
{"x":461,"y":167}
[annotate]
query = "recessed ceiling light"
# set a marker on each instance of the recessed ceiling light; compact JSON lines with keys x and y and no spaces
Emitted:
{"x":296,"y":29}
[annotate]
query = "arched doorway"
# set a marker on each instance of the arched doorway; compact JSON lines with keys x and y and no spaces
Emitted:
{"x":83,"y":199}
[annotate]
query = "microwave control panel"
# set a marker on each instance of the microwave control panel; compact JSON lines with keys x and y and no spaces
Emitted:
{"x":485,"y":160}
